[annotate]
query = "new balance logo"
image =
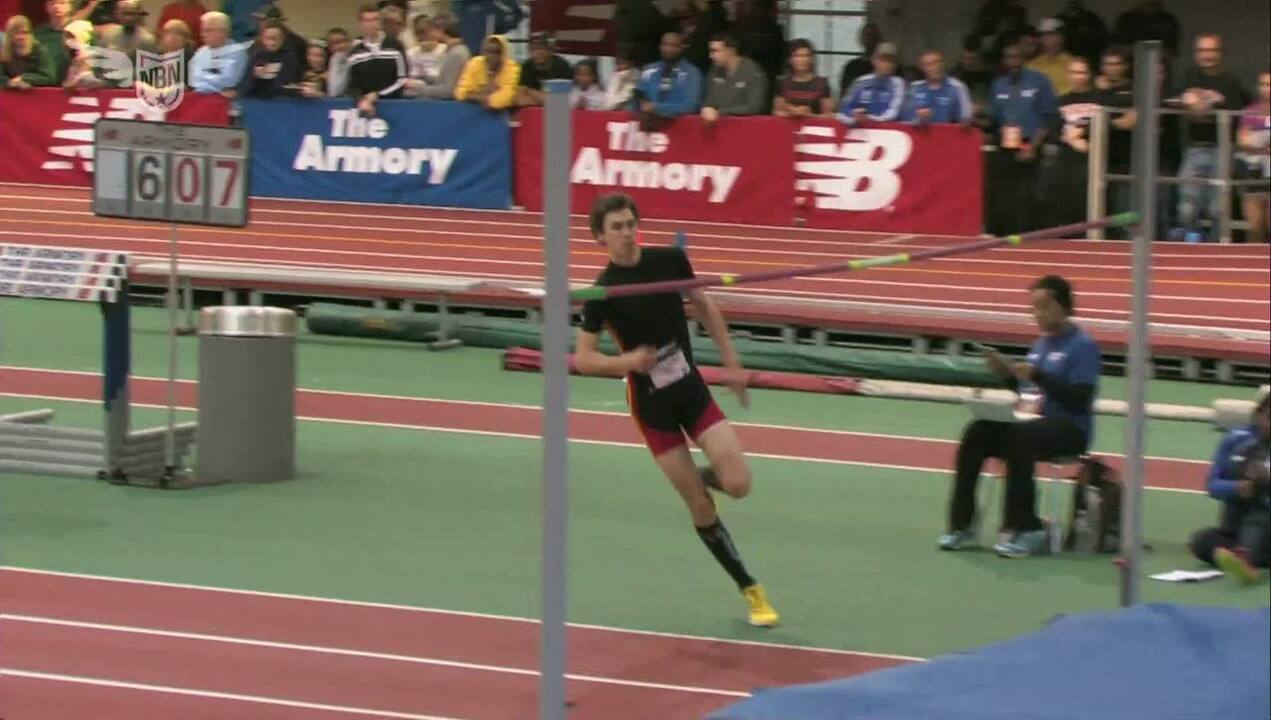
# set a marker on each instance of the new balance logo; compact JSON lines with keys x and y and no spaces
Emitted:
{"x":860,"y":172}
{"x":72,"y":141}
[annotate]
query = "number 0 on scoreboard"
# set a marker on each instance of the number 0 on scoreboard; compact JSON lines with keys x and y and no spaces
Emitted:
{"x":166,"y":171}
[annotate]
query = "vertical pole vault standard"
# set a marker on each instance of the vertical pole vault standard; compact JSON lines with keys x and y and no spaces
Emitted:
{"x":1147,"y":98}
{"x":557,"y":144}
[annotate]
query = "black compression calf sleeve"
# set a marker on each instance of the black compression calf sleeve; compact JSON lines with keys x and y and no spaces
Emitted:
{"x":720,"y":543}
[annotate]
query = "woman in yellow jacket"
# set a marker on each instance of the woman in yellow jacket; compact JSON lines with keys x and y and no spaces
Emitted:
{"x":490,"y":79}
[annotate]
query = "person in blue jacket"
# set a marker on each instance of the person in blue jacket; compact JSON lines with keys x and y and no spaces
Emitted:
{"x":1238,"y":477}
{"x":1062,"y":369}
{"x":938,"y":98}
{"x":670,"y":87}
{"x":879,"y":96}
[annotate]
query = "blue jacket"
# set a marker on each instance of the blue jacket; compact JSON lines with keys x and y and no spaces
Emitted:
{"x":674,"y":93}
{"x":948,"y":103}
{"x":1070,"y":359}
{"x":882,"y":98}
{"x":1027,"y":103}
{"x":1224,"y":472}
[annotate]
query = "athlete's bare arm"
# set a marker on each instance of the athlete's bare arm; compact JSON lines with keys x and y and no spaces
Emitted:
{"x":591,"y":361}
{"x":713,"y":320}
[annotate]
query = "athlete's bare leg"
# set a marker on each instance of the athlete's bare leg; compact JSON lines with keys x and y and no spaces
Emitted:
{"x":678,"y":466}
{"x":727,"y":459}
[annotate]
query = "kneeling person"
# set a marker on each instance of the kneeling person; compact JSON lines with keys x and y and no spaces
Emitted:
{"x":668,"y":397}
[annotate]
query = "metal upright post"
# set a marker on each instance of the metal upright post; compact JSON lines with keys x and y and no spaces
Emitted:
{"x":169,"y":437}
{"x":1223,"y":229}
{"x":1097,"y":173}
{"x":1146,"y":102}
{"x":557,"y":142}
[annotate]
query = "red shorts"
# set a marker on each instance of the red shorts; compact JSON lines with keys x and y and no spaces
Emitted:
{"x":665,"y":417}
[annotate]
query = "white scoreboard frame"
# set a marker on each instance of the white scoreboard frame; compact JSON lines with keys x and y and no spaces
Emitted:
{"x":172,"y":172}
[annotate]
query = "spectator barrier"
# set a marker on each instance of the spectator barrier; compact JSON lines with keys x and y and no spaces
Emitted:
{"x":412,"y":152}
{"x":886,"y":177}
{"x":890,"y":178}
{"x":48,"y":132}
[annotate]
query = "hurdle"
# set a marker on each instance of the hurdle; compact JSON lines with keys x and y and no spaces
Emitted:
{"x":30,"y":443}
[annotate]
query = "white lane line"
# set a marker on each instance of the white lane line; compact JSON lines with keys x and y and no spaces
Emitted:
{"x":360,"y":654}
{"x":455,"y":613}
{"x":214,"y":695}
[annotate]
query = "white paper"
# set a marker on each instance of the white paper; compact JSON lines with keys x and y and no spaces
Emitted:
{"x":1188,"y":575}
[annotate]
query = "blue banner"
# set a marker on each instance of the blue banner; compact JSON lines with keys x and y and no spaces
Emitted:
{"x":414,"y":152}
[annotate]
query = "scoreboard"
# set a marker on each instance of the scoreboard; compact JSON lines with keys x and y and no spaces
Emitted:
{"x":171,"y":172}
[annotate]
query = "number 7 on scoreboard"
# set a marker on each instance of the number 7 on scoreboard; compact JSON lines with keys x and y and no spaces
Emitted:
{"x":227,"y":204}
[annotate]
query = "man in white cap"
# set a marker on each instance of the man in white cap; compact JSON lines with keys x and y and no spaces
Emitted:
{"x":1053,"y":60}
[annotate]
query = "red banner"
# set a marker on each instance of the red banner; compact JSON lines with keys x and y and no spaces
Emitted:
{"x":581,"y":27}
{"x":740,"y":170}
{"x":890,"y":177}
{"x":48,"y":132}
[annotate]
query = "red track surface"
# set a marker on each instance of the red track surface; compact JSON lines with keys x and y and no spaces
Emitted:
{"x":184,"y":646}
{"x":1206,"y":286}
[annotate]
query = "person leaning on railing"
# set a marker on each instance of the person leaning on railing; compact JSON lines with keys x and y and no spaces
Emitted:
{"x":1205,"y":88}
{"x":23,"y":62}
{"x":544,"y":64}
{"x":588,"y":92}
{"x":446,"y":33}
{"x":938,"y":98}
{"x":802,"y":93}
{"x":377,"y":62}
{"x":218,"y":66}
{"x":879,"y":96}
{"x":736,"y":85}
{"x":670,"y":87}
{"x":1254,"y":159}
{"x":491,"y":78}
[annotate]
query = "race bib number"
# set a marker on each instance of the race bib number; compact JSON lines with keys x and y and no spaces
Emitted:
{"x":1012,"y":138}
{"x":672,"y":366}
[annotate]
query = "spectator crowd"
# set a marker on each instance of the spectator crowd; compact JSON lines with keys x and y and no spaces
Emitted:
{"x":1034,"y":90}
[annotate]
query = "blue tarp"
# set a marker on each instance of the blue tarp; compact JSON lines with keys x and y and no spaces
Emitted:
{"x":1151,"y":662}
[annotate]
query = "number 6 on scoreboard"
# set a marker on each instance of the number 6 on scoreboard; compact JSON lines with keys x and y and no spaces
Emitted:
{"x":149,"y":185}
{"x":228,"y":201}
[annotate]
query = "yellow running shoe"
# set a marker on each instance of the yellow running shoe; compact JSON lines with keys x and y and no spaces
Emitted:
{"x":762,"y":614}
{"x":1236,"y":566}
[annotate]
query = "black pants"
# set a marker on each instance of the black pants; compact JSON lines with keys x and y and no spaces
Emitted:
{"x":1243,"y":523}
{"x":1021,"y":445}
{"x":1012,"y":190}
{"x":1066,"y":192}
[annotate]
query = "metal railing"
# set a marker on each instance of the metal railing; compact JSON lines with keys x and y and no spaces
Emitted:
{"x":1098,"y":177}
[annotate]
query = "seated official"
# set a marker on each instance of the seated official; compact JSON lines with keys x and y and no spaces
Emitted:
{"x":1241,"y":544}
{"x":1063,"y":367}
